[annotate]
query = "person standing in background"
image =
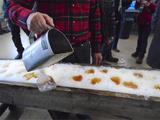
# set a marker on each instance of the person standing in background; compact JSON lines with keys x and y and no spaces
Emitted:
{"x":108,"y":27}
{"x":120,"y":7}
{"x":144,"y":28}
{"x":117,"y":25}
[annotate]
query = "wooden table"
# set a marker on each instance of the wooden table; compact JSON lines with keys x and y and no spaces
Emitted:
{"x":107,"y":104}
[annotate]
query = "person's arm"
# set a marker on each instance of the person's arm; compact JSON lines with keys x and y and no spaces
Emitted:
{"x":95,"y":27}
{"x":19,"y":10}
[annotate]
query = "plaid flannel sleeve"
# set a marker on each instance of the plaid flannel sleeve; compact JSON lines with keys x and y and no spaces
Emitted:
{"x":95,"y":26}
{"x":19,"y":10}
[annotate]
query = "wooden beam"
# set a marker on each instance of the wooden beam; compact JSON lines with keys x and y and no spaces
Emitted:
{"x":80,"y":101}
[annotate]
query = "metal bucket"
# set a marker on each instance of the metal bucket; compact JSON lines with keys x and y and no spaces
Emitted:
{"x":50,"y":48}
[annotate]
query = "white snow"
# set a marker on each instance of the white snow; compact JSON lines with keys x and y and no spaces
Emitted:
{"x":14,"y":71}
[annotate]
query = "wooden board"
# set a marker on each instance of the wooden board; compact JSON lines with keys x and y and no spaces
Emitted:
{"x":82,"y":101}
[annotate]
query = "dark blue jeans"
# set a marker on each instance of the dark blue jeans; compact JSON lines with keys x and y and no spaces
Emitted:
{"x":107,"y":50}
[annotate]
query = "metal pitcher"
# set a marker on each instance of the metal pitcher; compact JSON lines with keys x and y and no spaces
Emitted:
{"x":50,"y":48}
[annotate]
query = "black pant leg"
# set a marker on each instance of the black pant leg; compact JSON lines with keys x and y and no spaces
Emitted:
{"x":107,"y":50}
{"x":144,"y":41}
{"x":15,"y":31}
{"x":139,"y":41}
{"x":104,"y":49}
{"x":82,"y":54}
{"x":117,"y":31}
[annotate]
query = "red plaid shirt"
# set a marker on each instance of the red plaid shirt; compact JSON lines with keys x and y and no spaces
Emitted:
{"x":78,"y":19}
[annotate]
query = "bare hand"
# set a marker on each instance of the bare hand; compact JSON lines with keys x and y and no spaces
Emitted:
{"x":146,"y":3}
{"x":98,"y":58}
{"x":40,"y":23}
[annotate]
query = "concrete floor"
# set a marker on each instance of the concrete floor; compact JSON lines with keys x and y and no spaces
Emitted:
{"x":127,"y":47}
{"x":8,"y":51}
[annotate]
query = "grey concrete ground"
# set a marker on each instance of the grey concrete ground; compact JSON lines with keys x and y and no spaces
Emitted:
{"x":8,"y":51}
{"x":127,"y":47}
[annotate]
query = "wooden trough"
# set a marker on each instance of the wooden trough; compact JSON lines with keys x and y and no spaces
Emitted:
{"x":107,"y":104}
{"x":120,"y":106}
